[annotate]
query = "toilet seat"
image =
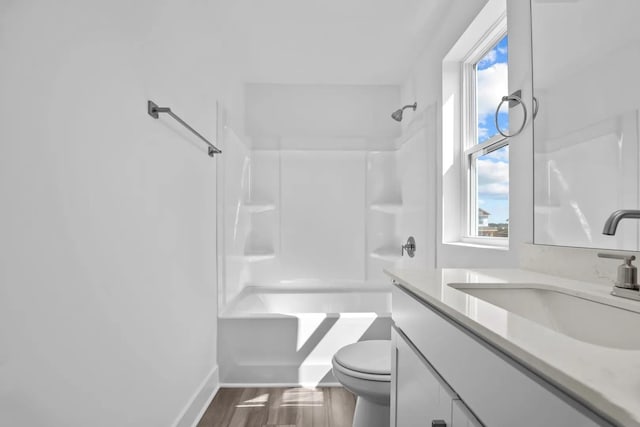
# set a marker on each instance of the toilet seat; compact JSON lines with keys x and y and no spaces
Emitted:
{"x":369,"y":360}
{"x":361,"y":375}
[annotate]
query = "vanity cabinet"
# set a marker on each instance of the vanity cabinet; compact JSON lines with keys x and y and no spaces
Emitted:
{"x":442,"y":371}
{"x":420,"y":396}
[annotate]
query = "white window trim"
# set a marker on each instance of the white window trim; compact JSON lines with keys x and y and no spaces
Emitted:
{"x":482,"y":34}
{"x":469,"y":147}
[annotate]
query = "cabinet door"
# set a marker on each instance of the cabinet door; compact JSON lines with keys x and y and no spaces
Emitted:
{"x":418,"y":396}
{"x":461,"y":416}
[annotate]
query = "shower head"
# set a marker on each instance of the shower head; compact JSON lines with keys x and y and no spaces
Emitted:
{"x":397,"y":115}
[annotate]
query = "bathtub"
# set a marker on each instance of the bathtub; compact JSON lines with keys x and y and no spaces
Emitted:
{"x":287,"y":337}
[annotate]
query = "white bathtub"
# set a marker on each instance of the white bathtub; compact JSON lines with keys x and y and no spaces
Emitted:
{"x":284,"y":337}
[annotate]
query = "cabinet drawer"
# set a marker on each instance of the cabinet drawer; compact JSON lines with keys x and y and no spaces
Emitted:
{"x":419,"y":396}
{"x":500,"y":391}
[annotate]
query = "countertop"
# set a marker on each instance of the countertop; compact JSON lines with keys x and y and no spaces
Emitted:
{"x":605,"y":379}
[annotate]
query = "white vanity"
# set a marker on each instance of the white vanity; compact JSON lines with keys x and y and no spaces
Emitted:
{"x":533,"y":358}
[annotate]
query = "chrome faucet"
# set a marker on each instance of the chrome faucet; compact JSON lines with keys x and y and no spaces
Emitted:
{"x":627,"y":272}
{"x":626,"y":285}
{"x":612,"y":222}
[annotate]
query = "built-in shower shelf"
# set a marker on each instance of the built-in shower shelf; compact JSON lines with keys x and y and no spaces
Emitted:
{"x":387,"y":253}
{"x":392,"y":208}
{"x":257,"y":207}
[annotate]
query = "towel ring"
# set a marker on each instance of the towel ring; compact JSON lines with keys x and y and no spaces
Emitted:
{"x":517,"y":100}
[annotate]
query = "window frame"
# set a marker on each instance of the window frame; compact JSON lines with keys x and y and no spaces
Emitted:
{"x":469,"y":147}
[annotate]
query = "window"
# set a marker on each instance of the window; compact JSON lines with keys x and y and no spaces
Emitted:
{"x":486,"y":152}
{"x":474,"y":168}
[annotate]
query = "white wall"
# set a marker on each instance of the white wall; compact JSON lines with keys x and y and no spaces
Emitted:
{"x":424,"y":85}
{"x":107,"y":257}
{"x":352,"y":42}
{"x":321,"y":117}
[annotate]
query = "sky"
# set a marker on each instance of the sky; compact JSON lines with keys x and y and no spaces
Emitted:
{"x":493,"y":168}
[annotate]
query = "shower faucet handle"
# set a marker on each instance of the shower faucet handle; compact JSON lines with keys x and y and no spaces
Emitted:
{"x":410,"y":247}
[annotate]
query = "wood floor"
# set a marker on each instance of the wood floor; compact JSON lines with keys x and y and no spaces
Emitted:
{"x":280,"y":407}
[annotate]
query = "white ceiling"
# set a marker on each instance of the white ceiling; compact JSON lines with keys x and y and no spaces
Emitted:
{"x":328,"y":42}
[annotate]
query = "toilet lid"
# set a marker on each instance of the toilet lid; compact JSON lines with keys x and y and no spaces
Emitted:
{"x":370,"y":357}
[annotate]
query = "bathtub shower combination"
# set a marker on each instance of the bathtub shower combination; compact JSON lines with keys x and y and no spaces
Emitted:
{"x":308,"y":221}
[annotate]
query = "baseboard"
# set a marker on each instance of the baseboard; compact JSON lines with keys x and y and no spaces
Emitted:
{"x":200,"y":401}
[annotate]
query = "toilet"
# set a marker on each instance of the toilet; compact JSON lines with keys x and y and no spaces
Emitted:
{"x":364,"y":368}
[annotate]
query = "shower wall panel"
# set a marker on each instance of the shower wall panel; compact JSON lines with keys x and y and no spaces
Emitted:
{"x":323,"y":215}
{"x":233,"y":185}
{"x":418,"y":184}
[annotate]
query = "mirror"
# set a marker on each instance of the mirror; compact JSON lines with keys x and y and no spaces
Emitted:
{"x":586,"y":78}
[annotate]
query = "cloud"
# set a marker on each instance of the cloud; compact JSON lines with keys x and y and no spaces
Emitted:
{"x":501,"y":155}
{"x":482,"y":133}
{"x":492,"y":85}
{"x":493,"y":179}
{"x":489,"y":58}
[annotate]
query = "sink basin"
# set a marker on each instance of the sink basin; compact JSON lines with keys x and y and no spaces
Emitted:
{"x":586,"y":320}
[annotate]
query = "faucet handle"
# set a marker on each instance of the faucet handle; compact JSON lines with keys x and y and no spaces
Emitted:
{"x":410,"y":247}
{"x":627,"y":272}
{"x":627,"y":258}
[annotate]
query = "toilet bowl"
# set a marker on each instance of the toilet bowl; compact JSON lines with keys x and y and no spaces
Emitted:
{"x":364,"y":368}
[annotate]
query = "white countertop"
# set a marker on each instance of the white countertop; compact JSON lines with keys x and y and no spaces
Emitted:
{"x":606,"y":379}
